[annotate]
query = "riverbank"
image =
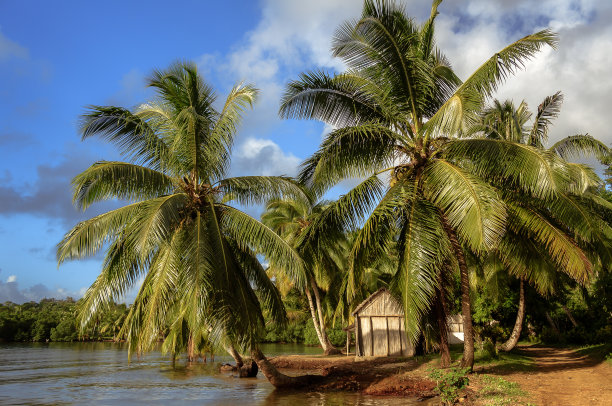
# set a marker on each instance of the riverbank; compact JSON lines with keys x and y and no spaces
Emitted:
{"x":380,"y":376}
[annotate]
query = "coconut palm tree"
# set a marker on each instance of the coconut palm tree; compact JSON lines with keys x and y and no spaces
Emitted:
{"x":398,"y":111}
{"x":289,"y":218}
{"x":195,"y":251}
{"x":504,"y":121}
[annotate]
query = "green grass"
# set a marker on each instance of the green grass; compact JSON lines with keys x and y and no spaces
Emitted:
{"x":505,"y":361}
{"x":497,"y":391}
{"x":601,"y":352}
{"x":500,"y":362}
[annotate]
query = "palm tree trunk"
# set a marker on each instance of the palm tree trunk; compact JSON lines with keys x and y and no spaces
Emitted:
{"x":232,"y":351}
{"x":466,"y":308}
{"x":190,"y":349}
{"x":313,"y":314}
{"x":278,"y":379}
{"x":440,"y":305}
{"x":328,"y":347}
{"x":518,"y":325}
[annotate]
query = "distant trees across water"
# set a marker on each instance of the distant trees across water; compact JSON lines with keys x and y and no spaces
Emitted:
{"x":55,"y":320}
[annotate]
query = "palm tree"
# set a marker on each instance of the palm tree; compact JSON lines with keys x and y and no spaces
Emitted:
{"x":398,"y":112}
{"x":289,"y":218}
{"x":505,"y":122}
{"x":196,"y":252}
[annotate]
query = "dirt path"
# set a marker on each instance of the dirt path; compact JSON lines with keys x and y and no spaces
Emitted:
{"x":564,"y":377}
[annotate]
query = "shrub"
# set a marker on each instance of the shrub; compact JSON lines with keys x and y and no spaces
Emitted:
{"x":449,"y":382}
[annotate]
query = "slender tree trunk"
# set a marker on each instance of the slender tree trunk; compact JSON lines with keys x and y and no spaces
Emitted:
{"x":466,"y":308}
{"x":552,"y":323}
{"x":569,"y":315}
{"x":313,"y":314}
{"x":328,"y":347}
{"x":278,"y":379}
{"x":518,"y":325}
{"x":440,"y":305}
{"x":190,"y":349}
{"x":232,"y":351}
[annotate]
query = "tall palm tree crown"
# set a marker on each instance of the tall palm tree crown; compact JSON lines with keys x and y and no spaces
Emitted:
{"x":400,"y":111}
{"x":196,"y":252}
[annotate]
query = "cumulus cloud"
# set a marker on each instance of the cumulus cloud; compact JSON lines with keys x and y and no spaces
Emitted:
{"x":257,"y":156}
{"x":11,"y":278}
{"x":294,"y":36}
{"x":578,"y":67}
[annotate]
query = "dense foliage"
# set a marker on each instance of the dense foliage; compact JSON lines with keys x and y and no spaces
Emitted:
{"x":55,"y":320}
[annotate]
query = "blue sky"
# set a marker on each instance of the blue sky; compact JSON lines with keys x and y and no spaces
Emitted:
{"x":58,"y":57}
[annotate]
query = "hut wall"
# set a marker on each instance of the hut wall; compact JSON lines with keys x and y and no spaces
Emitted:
{"x":455,"y":329}
{"x":379,"y":328}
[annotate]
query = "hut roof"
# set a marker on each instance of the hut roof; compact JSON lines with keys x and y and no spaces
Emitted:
{"x":373,"y":297}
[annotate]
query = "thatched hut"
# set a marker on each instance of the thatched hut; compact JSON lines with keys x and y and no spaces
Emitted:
{"x":379,"y":327}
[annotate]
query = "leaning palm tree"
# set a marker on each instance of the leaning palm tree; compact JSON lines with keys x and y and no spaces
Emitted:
{"x":399,"y":112}
{"x":196,"y":253}
{"x":289,"y":218}
{"x":570,"y":218}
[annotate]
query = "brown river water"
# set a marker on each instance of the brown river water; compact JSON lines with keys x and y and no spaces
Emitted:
{"x":99,"y":373}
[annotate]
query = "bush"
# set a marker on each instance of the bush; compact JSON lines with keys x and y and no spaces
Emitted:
{"x":449,"y":382}
{"x":337,"y":336}
{"x":488,"y":350}
{"x":310,"y":334}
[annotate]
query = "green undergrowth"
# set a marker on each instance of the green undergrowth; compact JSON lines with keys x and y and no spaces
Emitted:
{"x":505,"y":361}
{"x":496,"y":391}
{"x":490,"y":359}
{"x":601,"y":352}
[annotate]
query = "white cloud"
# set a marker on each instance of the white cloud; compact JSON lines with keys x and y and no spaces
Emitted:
{"x":257,"y":156}
{"x":578,"y":67}
{"x":294,"y":36}
{"x":11,"y":279}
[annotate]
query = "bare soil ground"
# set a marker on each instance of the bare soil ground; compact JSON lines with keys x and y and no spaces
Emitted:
{"x":562,"y":377}
{"x":379,"y":376}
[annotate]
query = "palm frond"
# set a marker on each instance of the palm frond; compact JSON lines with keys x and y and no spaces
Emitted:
{"x":460,"y":110}
{"x":341,"y":100}
{"x":562,"y":248}
{"x":471,"y":206}
{"x":351,"y":152}
{"x":539,"y":173}
{"x":548,"y":110}
{"x":576,"y":146}
{"x":251,"y":234}
{"x":133,"y":136}
{"x":249,"y":190}
{"x":118,"y":180}
{"x":423,"y":248}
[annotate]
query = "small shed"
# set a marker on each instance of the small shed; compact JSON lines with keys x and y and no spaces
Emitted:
{"x":455,"y":329}
{"x":379,"y":327}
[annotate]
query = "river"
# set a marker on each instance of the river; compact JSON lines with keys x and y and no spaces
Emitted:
{"x":99,"y":373}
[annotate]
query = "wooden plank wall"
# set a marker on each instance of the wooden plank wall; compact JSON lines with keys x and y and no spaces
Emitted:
{"x":379,"y":329}
{"x":382,"y":336}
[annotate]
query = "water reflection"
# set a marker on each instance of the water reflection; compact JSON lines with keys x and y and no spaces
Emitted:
{"x":86,"y":373}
